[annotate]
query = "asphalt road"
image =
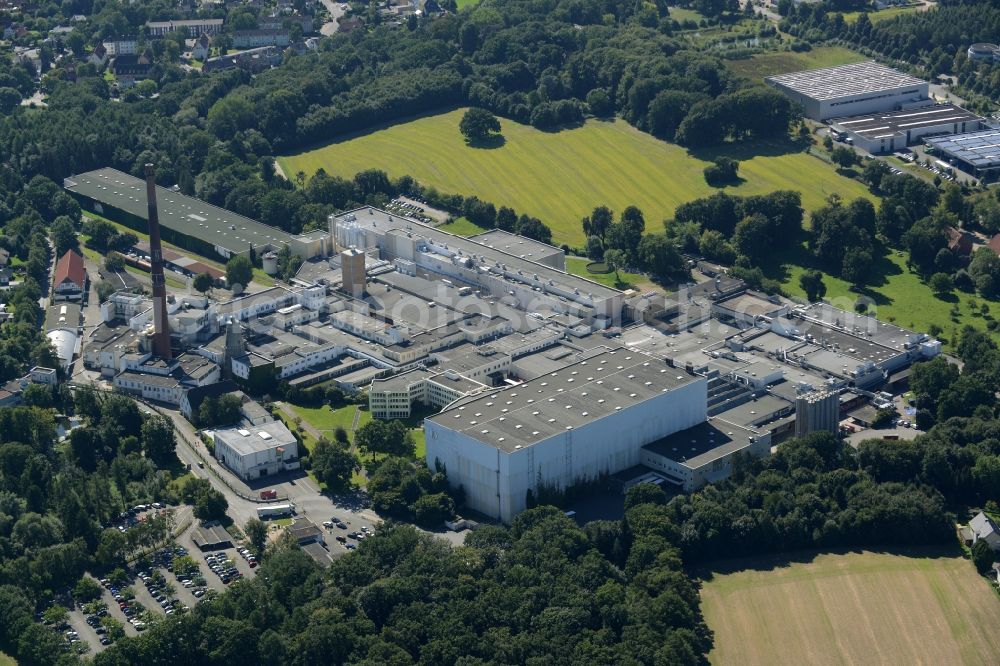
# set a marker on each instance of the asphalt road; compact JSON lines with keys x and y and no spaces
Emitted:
{"x":336,"y":12}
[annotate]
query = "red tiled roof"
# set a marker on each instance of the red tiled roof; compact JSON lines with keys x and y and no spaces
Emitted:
{"x":70,"y":268}
{"x":995,"y":243}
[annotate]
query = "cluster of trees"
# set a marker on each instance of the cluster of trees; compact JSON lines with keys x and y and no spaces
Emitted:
{"x":727,"y":228}
{"x":622,"y":244}
{"x":223,"y":410}
{"x":723,"y":171}
{"x":843,"y":238}
{"x":56,"y":501}
{"x":409,"y":491}
{"x":542,"y":590}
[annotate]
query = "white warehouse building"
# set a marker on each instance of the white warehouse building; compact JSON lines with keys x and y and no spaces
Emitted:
{"x":851,"y":90}
{"x":262,"y":450}
{"x":578,"y":423}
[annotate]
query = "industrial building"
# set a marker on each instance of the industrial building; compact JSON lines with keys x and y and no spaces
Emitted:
{"x":62,"y":328}
{"x":850,"y":90}
{"x":704,"y":453}
{"x":186,"y":221}
{"x":817,"y":411}
{"x":527,"y":285}
{"x":252,"y":453}
{"x":526,"y":248}
{"x":584,"y":421}
{"x":976,"y":153}
{"x":894,"y":130}
{"x":984,"y":52}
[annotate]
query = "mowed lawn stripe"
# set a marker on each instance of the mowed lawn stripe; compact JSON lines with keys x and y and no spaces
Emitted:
{"x":561,"y":176}
{"x":853,"y":608}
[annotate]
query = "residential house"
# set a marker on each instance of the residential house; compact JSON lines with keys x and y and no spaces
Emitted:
{"x":193,"y":27}
{"x":960,"y":242}
{"x":121,"y":46}
{"x":994,"y":243}
{"x":99,"y":56}
{"x":350,"y":24}
{"x":202,"y":47}
{"x":130,"y":69}
{"x":984,"y":529}
{"x":70,"y":280}
{"x":285,"y":22}
{"x":252,"y":39}
{"x":4,"y":256}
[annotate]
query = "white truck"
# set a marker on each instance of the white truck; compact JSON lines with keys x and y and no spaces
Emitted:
{"x":275,"y":510}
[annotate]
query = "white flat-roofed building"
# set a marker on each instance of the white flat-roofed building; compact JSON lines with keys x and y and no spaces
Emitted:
{"x":257,"y":451}
{"x":704,"y":453}
{"x":891,"y":131}
{"x":850,"y":90}
{"x":394,"y":397}
{"x":588,"y":419}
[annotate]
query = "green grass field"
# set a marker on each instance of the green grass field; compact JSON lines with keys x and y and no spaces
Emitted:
{"x":578,"y":266}
{"x":882,"y":15}
{"x":561,"y":176}
{"x":461,"y":226}
{"x":7,"y":660}
{"x":900,"y":297}
{"x":853,"y":608}
{"x":782,"y":62}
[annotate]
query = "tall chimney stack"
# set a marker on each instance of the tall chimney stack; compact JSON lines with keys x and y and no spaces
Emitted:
{"x":161,"y":325}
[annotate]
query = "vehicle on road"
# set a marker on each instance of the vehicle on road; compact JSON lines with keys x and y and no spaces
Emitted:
{"x":276,"y":510}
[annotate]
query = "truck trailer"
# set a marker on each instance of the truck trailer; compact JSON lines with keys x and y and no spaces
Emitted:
{"x":275,"y":511}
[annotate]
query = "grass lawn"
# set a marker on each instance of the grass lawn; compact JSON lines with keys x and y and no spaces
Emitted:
{"x":466,"y":3}
{"x":883,"y":14}
{"x":681,"y":14}
{"x":461,"y":226}
{"x":578,"y":266}
{"x":900,"y":297}
{"x":782,"y":62}
{"x":7,"y":660}
{"x":561,"y":176}
{"x":853,"y":608}
{"x":326,"y":419}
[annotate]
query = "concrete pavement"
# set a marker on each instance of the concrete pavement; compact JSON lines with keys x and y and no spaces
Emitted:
{"x":336,"y":11}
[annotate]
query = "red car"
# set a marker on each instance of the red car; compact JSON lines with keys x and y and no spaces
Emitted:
{"x":253,"y":563}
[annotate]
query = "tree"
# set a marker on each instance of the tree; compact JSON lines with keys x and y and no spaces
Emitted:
{"x":616,"y":260}
{"x":239,"y":272}
{"x":10,"y":98}
{"x":86,"y":589}
{"x":334,"y":464}
{"x":158,"y":438}
{"x":857,"y":266}
{"x":658,"y":256}
{"x":724,"y":171}
{"x":598,"y":222}
{"x":479,"y":126}
{"x":64,"y":235}
{"x":209,"y":503}
{"x":941,"y":284}
{"x":388,"y":437}
{"x":753,"y":237}
{"x":203,"y":282}
{"x":256,"y":532}
{"x":843,"y":157}
{"x":432,"y":510}
{"x":982,"y":556}
{"x":812,"y":283}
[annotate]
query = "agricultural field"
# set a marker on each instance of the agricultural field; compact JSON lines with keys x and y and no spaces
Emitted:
{"x":461,"y":226}
{"x":781,"y":62}
{"x":853,"y":608}
{"x":560,"y":177}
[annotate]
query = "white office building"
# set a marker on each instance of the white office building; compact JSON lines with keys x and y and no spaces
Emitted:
{"x":261,"y":450}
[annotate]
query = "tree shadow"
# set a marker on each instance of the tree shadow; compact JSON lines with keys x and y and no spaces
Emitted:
{"x":771,"y":562}
{"x":948,"y":297}
{"x":745,"y":150}
{"x":490,"y":142}
{"x":729,"y":182}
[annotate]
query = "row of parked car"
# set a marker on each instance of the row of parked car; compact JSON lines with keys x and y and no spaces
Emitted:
{"x":132,"y":610}
{"x":223,"y":567}
{"x":248,"y":556}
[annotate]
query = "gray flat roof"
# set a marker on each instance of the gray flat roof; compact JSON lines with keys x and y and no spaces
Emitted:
{"x":876,"y":125}
{"x":383,"y":221}
{"x":526,"y":414}
{"x":400,"y":382}
{"x":758,"y":410}
{"x":62,"y":315}
{"x":844,"y":80}
{"x":178,"y":212}
{"x":980,"y":149}
{"x":277,"y":435}
{"x":703,"y":443}
{"x":526,"y":248}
